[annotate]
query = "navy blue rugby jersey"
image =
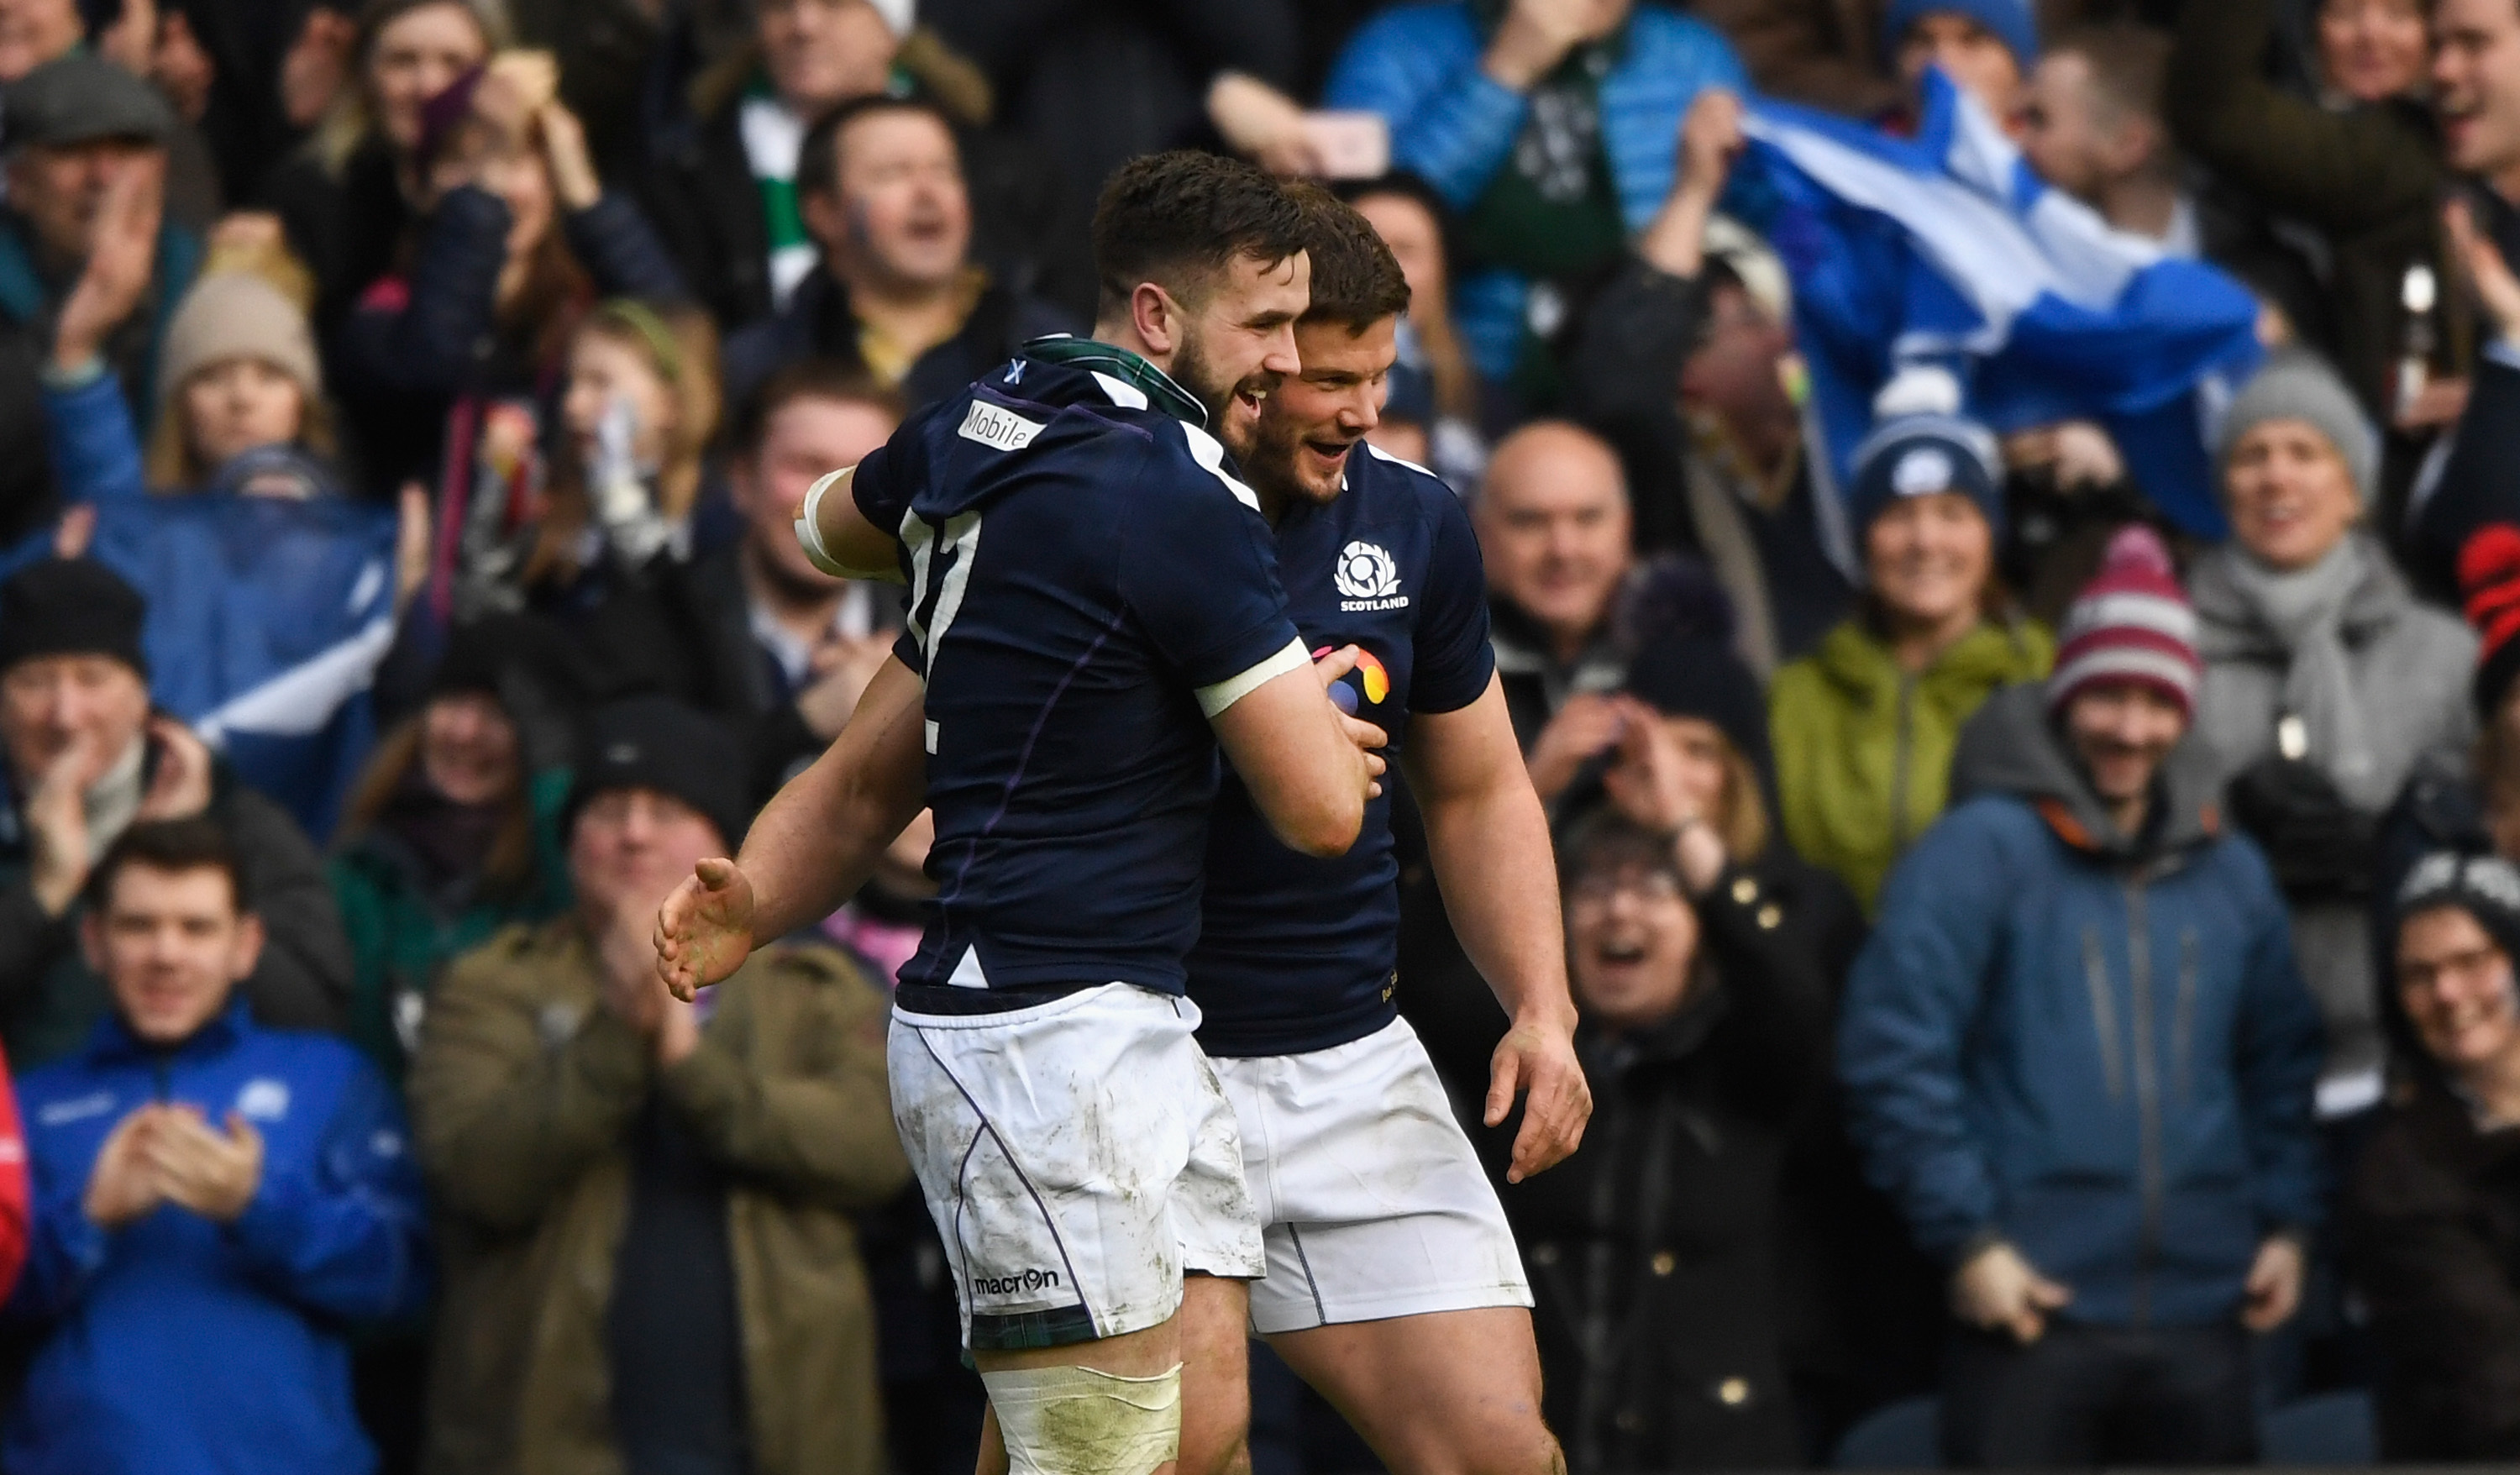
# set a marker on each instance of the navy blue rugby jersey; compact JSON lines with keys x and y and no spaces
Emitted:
{"x":1085,"y":575}
{"x":1297,"y":953}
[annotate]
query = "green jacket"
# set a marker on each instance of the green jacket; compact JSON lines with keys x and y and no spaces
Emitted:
{"x":1863,"y":749}
{"x":403,"y":934}
{"x":523,"y":1093}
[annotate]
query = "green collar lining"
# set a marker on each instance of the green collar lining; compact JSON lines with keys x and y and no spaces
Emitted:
{"x":1147,"y":379}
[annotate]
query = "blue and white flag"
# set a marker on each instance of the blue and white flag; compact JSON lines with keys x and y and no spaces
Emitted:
{"x":1946,"y":249}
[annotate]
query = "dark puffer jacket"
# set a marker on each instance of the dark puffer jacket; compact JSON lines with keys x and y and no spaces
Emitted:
{"x":1651,"y":1251}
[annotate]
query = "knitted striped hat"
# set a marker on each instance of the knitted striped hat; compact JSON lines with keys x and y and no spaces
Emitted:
{"x":2132,"y":622}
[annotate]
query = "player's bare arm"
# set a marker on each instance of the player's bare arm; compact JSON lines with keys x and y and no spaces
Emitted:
{"x":1488,"y":840}
{"x":1309,"y":767}
{"x":812,"y":847}
{"x":839,"y":539}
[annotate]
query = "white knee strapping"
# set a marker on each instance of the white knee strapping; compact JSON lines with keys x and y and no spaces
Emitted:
{"x":1077,"y":1421}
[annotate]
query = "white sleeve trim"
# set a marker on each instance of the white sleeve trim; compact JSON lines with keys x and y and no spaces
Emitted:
{"x":1214,"y":699}
{"x":809,"y":527}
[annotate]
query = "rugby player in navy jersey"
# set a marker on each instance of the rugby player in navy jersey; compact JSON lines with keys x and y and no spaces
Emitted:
{"x":1394,"y":1286}
{"x":1094,"y":611}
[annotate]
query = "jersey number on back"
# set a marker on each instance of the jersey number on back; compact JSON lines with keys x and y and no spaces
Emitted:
{"x":940,"y":573}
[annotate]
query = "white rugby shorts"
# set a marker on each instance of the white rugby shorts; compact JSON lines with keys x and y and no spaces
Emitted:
{"x":1077,"y":1157}
{"x":1371,"y":1199}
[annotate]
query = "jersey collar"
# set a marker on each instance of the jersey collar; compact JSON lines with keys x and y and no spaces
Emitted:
{"x":1119,"y":363}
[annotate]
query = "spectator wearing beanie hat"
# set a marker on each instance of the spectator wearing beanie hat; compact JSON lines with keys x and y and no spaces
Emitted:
{"x":1986,"y":46}
{"x":273,"y":599}
{"x":2044,"y":1073}
{"x":2431,"y":1208}
{"x":80,"y":770}
{"x":2465,"y":802}
{"x":453,"y":832}
{"x":2326,"y":683}
{"x":1865,"y":726}
{"x":652,"y":1260}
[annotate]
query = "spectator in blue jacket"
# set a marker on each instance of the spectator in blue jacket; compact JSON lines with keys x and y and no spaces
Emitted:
{"x":2078,"y":1056}
{"x":273,"y":596}
{"x":215,"y":1204}
{"x":1553,"y":129}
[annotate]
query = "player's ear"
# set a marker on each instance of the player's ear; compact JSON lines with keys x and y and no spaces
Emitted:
{"x":1156,"y":316}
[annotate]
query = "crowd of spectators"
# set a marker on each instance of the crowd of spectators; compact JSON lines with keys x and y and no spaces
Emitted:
{"x":2032,"y":954}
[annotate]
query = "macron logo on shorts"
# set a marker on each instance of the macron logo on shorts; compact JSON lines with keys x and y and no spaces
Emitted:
{"x":1014,"y":1284}
{"x":998,"y":430}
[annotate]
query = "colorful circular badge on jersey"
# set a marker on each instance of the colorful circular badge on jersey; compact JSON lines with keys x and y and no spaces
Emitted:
{"x":1368,"y":675}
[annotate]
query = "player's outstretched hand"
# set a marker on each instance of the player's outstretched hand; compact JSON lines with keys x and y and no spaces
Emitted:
{"x":1365,"y":735}
{"x":704,"y":929}
{"x":1536,"y":1061}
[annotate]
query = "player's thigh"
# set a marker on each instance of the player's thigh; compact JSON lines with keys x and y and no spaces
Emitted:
{"x":1444,"y":1393}
{"x":1216,"y":1375}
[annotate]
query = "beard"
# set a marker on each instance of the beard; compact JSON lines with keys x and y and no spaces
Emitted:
{"x":1275,"y":463}
{"x":1192,"y":370}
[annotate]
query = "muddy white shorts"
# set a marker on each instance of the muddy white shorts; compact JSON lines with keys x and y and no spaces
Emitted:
{"x":1371,"y":1199}
{"x":1077,"y":1156}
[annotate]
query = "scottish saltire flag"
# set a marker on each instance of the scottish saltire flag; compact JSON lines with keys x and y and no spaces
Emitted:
{"x":1946,"y":250}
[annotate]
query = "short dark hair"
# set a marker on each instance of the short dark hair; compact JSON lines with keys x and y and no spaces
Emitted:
{"x":818,"y":157}
{"x":198,"y":844}
{"x":1356,"y":282}
{"x":2130,"y":65}
{"x":807,"y":378}
{"x":1177,"y":219}
{"x":1602,"y":838}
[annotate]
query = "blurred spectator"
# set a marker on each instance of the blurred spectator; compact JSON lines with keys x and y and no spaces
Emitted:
{"x":1091,"y":84}
{"x":2483,"y":466}
{"x":2465,"y":802}
{"x":1986,"y":46}
{"x":647,"y":1204}
{"x":893,"y":289}
{"x":1651,"y":1256}
{"x":2364,"y":177}
{"x":2115,"y":1160}
{"x":1865,"y":726}
{"x":1553,"y":528}
{"x":85,"y":143}
{"x":454,"y":831}
{"x":2325,"y":683}
{"x":775,"y":644}
{"x":35,"y":32}
{"x":219,"y":1203}
{"x":85,"y":759}
{"x":1820,"y":53}
{"x":726,"y":196}
{"x":1413,"y":220}
{"x":458,"y":349}
{"x":272,"y":596}
{"x":1550,"y":128}
{"x":2433,"y":1211}
{"x":1689,"y":366}
{"x":348,"y":197}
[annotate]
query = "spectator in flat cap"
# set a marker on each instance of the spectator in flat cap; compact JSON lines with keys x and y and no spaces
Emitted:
{"x":2432,"y":1213}
{"x":85,"y":757}
{"x":453,"y":832}
{"x":1865,"y":726}
{"x":83,"y":227}
{"x":2326,"y":682}
{"x":648,"y":1207}
{"x":2116,"y":1216}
